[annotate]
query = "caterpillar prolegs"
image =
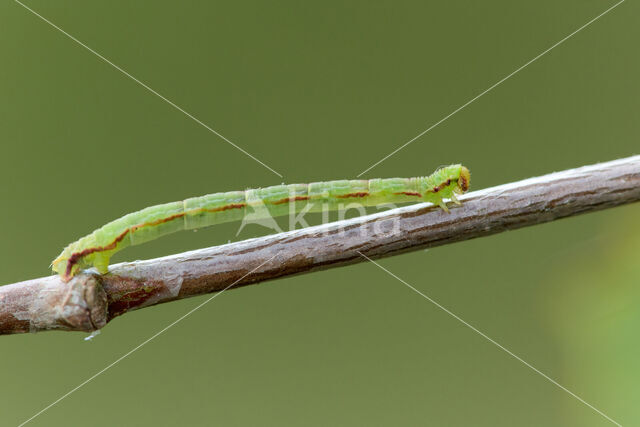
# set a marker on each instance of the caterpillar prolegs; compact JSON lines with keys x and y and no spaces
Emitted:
{"x":96,"y":249}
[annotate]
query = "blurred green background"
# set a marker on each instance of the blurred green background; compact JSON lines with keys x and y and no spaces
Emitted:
{"x":322,"y":91}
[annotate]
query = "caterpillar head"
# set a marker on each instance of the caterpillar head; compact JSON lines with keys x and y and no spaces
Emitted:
{"x":448,"y":180}
{"x":464,"y":180}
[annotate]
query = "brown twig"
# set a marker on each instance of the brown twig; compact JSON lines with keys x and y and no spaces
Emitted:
{"x":89,"y":301}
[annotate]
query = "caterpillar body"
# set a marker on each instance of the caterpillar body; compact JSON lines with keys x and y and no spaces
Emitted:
{"x":96,"y":249}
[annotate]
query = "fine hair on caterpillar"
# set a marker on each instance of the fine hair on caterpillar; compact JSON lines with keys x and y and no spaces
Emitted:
{"x":260,"y":205}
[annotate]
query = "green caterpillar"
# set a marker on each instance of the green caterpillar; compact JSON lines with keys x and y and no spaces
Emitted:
{"x":96,"y":249}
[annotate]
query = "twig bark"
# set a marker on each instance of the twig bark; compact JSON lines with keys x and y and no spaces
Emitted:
{"x":89,"y":301}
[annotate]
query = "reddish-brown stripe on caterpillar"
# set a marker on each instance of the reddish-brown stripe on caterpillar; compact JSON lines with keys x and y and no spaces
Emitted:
{"x":290,"y":200}
{"x":156,"y":222}
{"x":221,"y":208}
{"x":441,"y":186}
{"x":346,"y":196}
{"x":75,"y":257}
{"x":409,"y":193}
